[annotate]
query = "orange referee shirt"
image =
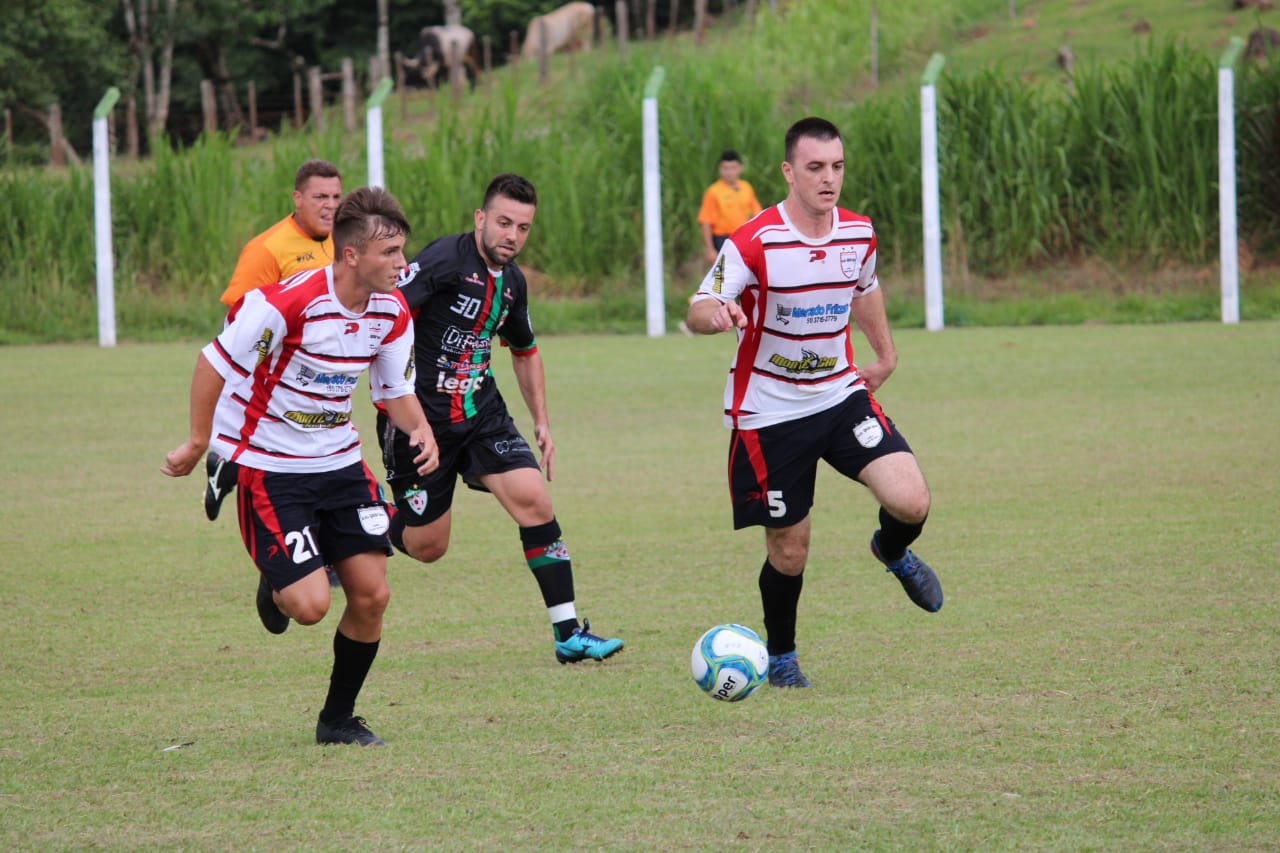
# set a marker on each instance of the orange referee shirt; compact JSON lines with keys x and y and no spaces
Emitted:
{"x":274,"y":255}
{"x":724,"y":208}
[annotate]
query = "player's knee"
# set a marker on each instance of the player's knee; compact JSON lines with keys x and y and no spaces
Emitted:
{"x":371,"y":603}
{"x":426,"y":552}
{"x":308,"y":612}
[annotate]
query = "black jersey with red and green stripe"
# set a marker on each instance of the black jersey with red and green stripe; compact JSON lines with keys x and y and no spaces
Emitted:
{"x":460,"y":308}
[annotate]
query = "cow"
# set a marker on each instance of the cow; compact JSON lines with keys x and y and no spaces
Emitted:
{"x":568,"y":28}
{"x":432,"y":57}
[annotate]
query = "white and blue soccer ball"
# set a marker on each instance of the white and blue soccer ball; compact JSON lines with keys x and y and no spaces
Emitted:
{"x":729,"y":662}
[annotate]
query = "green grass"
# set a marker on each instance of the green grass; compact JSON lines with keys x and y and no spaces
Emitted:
{"x":1101,"y":678}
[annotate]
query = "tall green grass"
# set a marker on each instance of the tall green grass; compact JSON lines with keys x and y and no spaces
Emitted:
{"x":1118,"y":164}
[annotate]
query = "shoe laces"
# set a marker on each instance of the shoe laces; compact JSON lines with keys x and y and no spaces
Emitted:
{"x":905,"y":566}
{"x":584,"y":634}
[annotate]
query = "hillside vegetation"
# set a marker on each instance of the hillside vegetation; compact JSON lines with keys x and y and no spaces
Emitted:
{"x":1085,"y":198}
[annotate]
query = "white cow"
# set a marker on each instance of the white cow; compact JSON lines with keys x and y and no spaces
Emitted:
{"x":568,"y":28}
{"x":434,"y":44}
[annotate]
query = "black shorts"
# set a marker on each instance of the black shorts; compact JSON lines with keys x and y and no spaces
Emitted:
{"x":488,"y":443}
{"x":772,"y":470}
{"x":293,"y":524}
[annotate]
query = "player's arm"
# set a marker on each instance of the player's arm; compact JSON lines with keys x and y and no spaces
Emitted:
{"x":527,"y":366}
{"x":407,"y":415}
{"x":206,"y":386}
{"x":708,"y":315}
{"x":868,"y":312}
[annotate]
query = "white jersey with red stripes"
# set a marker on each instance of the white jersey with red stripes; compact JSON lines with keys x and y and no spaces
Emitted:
{"x":291,"y":355}
{"x":795,"y":357}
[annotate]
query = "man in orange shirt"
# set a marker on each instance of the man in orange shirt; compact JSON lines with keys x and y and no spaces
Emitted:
{"x":301,"y":241}
{"x":726,"y":204}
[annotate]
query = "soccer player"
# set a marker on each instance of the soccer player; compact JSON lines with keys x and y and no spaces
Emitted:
{"x":467,"y":294}
{"x":726,"y":205}
{"x":273,"y":393}
{"x":788,"y":282}
{"x":303,"y":240}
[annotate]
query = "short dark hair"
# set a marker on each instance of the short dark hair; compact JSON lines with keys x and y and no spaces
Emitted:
{"x":728,"y":155}
{"x":314,"y":169}
{"x":510,"y":186}
{"x":364,"y":214}
{"x":810,"y":128}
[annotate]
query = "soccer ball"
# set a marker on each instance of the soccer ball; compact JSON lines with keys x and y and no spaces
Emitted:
{"x":729,"y":662}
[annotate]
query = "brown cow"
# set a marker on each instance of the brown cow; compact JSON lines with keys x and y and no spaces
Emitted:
{"x":568,"y":29}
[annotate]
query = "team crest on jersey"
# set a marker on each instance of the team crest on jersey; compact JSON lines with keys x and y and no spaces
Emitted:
{"x":263,"y":346}
{"x":849,"y":262}
{"x":417,"y":500}
{"x":868,"y":432}
{"x":408,"y":274}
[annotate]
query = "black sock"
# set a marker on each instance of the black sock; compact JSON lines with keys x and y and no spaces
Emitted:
{"x":780,"y":595}
{"x":396,"y":532}
{"x":351,"y":663}
{"x":548,"y":559}
{"x":896,"y":536}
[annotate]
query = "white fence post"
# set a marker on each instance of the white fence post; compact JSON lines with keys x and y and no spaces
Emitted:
{"x":655,"y":300}
{"x":373,"y":133}
{"x":929,"y":181}
{"x":102,"y":220}
{"x":1228,"y":248}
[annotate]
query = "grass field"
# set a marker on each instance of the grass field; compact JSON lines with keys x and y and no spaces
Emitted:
{"x":1103,"y":676}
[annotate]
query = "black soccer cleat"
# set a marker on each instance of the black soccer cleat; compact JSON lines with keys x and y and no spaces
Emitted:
{"x":272,"y":618}
{"x":919,"y":581}
{"x":222,"y":475}
{"x":351,"y":730}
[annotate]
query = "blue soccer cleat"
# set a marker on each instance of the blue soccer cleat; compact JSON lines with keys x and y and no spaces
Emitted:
{"x":582,"y":644}
{"x":784,"y":671}
{"x":919,"y":581}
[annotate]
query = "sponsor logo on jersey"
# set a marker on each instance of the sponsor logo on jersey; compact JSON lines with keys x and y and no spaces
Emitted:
{"x":263,"y":346}
{"x":717,"y":275}
{"x":458,"y":341}
{"x":515,"y":445}
{"x":474,"y":278}
{"x":809,"y":362}
{"x":812,"y":314}
{"x":849,"y":262}
{"x":318,"y":420}
{"x":338,"y":383}
{"x":305,"y":258}
{"x":408,"y":368}
{"x":448,"y":383}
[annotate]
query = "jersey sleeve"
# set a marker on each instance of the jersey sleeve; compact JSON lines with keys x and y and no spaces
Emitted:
{"x":257,"y":267}
{"x":255,"y":332}
{"x":392,"y":373}
{"x":728,"y":278}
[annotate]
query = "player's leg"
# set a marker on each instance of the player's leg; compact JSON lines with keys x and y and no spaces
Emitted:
{"x":279,"y":526}
{"x":354,"y":539}
{"x":868,"y":447}
{"x":422,"y":523}
{"x":501,"y":461}
{"x":771,"y":480}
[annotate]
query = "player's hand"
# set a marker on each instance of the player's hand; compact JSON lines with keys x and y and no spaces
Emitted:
{"x":428,"y":459}
{"x":875,"y":374}
{"x":728,"y":315}
{"x":542,"y":435}
{"x":182,"y":460}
